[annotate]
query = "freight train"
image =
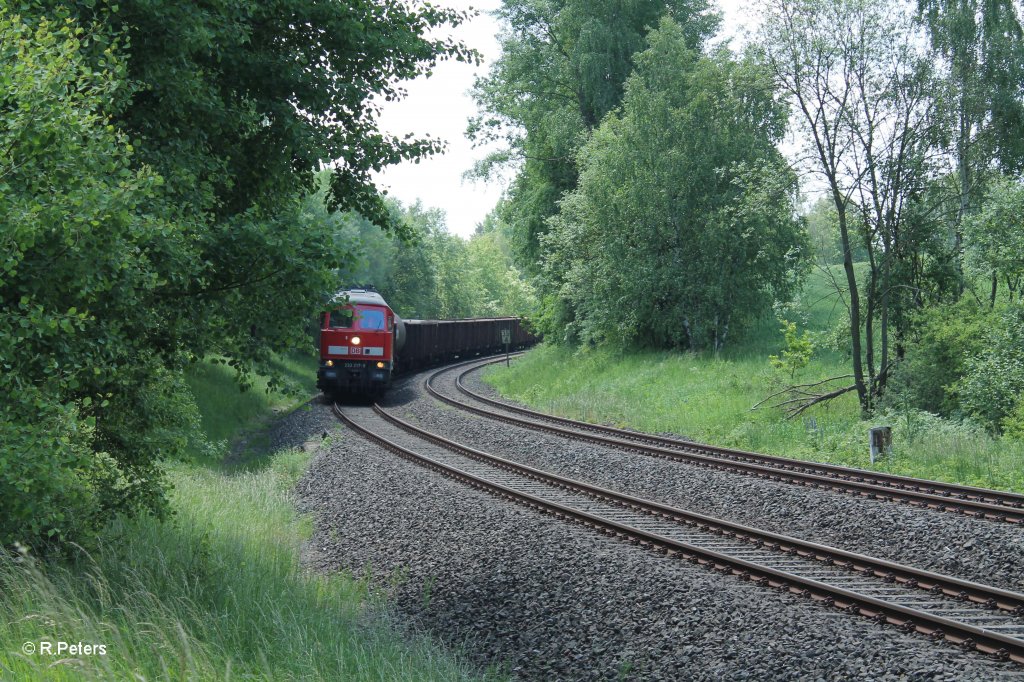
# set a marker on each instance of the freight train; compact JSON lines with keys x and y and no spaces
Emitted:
{"x":363,"y":343}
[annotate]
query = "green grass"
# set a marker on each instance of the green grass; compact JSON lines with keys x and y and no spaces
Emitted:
{"x":226,"y":412}
{"x":709,"y":398}
{"x":216,"y":594}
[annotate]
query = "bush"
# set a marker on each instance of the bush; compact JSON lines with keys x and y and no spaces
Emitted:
{"x":47,"y":470}
{"x":1013,"y":424}
{"x":945,"y":336}
{"x":797,"y":353}
{"x":912,"y":426}
{"x":994,"y":378}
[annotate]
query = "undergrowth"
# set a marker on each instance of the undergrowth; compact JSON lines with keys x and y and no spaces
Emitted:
{"x":215,"y":593}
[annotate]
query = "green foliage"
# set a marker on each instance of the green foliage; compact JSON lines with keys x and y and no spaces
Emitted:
{"x":983,"y":45}
{"x":682,"y":229}
{"x":76,"y":280}
{"x":1013,"y":423}
{"x":993,"y":380}
{"x":447,"y":277}
{"x":945,"y":337}
{"x":797,"y":353}
{"x":239,"y":104}
{"x":433,"y":274}
{"x":501,"y":287}
{"x":823,"y":234}
{"x":153,"y":156}
{"x":562,"y":69}
{"x":995,"y":237}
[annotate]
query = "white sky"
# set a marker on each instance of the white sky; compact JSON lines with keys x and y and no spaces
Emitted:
{"x":440,"y":105}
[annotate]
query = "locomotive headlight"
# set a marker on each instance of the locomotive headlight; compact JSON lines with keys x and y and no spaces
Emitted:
{"x":329,"y":363}
{"x":356,"y":341}
{"x":380,"y":365}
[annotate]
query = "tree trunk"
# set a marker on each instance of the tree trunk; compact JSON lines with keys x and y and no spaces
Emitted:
{"x":721,"y":329}
{"x":958,"y":232}
{"x":869,"y":319}
{"x":689,"y":333}
{"x":851,"y":281}
{"x":884,"y":331}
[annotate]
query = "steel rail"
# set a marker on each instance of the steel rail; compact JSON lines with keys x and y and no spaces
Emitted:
{"x":763,"y":466}
{"x":953,"y":490}
{"x":909,"y":619}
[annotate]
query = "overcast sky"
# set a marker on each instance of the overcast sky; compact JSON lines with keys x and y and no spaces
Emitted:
{"x":440,"y":106}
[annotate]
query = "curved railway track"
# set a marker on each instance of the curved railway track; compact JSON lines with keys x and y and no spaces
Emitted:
{"x":968,"y":614}
{"x":979,"y":502}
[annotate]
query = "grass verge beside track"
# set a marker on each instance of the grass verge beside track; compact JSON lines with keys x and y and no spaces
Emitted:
{"x":709,"y":398}
{"x":217,"y":593}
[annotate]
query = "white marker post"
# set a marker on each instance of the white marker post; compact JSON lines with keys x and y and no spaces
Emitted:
{"x":881,"y":441}
{"x":506,"y":338}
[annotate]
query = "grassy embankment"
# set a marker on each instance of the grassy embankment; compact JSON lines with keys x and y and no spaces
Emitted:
{"x":709,"y":399}
{"x":217,"y":593}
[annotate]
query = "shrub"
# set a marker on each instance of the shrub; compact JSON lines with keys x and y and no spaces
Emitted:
{"x":47,"y":470}
{"x":80,"y":433}
{"x":994,"y":378}
{"x":1013,"y":424}
{"x":797,"y":352}
{"x":945,"y":336}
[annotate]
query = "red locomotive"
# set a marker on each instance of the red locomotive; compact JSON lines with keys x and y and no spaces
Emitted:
{"x":363,"y":343}
{"x":358,"y":340}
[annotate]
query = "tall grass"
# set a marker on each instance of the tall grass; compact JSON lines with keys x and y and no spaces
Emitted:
{"x":710,"y":398}
{"x":216,"y":594}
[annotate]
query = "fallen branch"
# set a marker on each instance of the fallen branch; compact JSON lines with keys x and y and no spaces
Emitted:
{"x":790,"y":412}
{"x":794,"y":389}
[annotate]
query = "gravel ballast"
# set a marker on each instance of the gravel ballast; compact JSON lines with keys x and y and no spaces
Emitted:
{"x":546,"y":600}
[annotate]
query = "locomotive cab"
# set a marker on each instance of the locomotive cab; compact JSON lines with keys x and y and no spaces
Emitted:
{"x":357,"y":345}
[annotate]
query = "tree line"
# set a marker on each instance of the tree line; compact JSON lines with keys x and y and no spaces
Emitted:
{"x":427,"y":272}
{"x":652,"y":206}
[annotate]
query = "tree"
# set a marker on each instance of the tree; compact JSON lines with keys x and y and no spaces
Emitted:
{"x":995,"y":238}
{"x":503,"y":289}
{"x":861,"y":89}
{"x":219,"y":85}
{"x":434,"y":274}
{"x":153,"y":157}
{"x":682,"y":228}
{"x":74,"y":278}
{"x":563,"y":67}
{"x":982,"y":45}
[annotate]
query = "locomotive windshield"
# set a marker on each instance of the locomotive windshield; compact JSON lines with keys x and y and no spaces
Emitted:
{"x":371,"y":318}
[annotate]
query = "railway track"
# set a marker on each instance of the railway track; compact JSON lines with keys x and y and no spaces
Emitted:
{"x":978,"y":502}
{"x":968,"y":614}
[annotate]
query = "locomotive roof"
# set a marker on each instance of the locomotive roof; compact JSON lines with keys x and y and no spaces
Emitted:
{"x":361,"y":297}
